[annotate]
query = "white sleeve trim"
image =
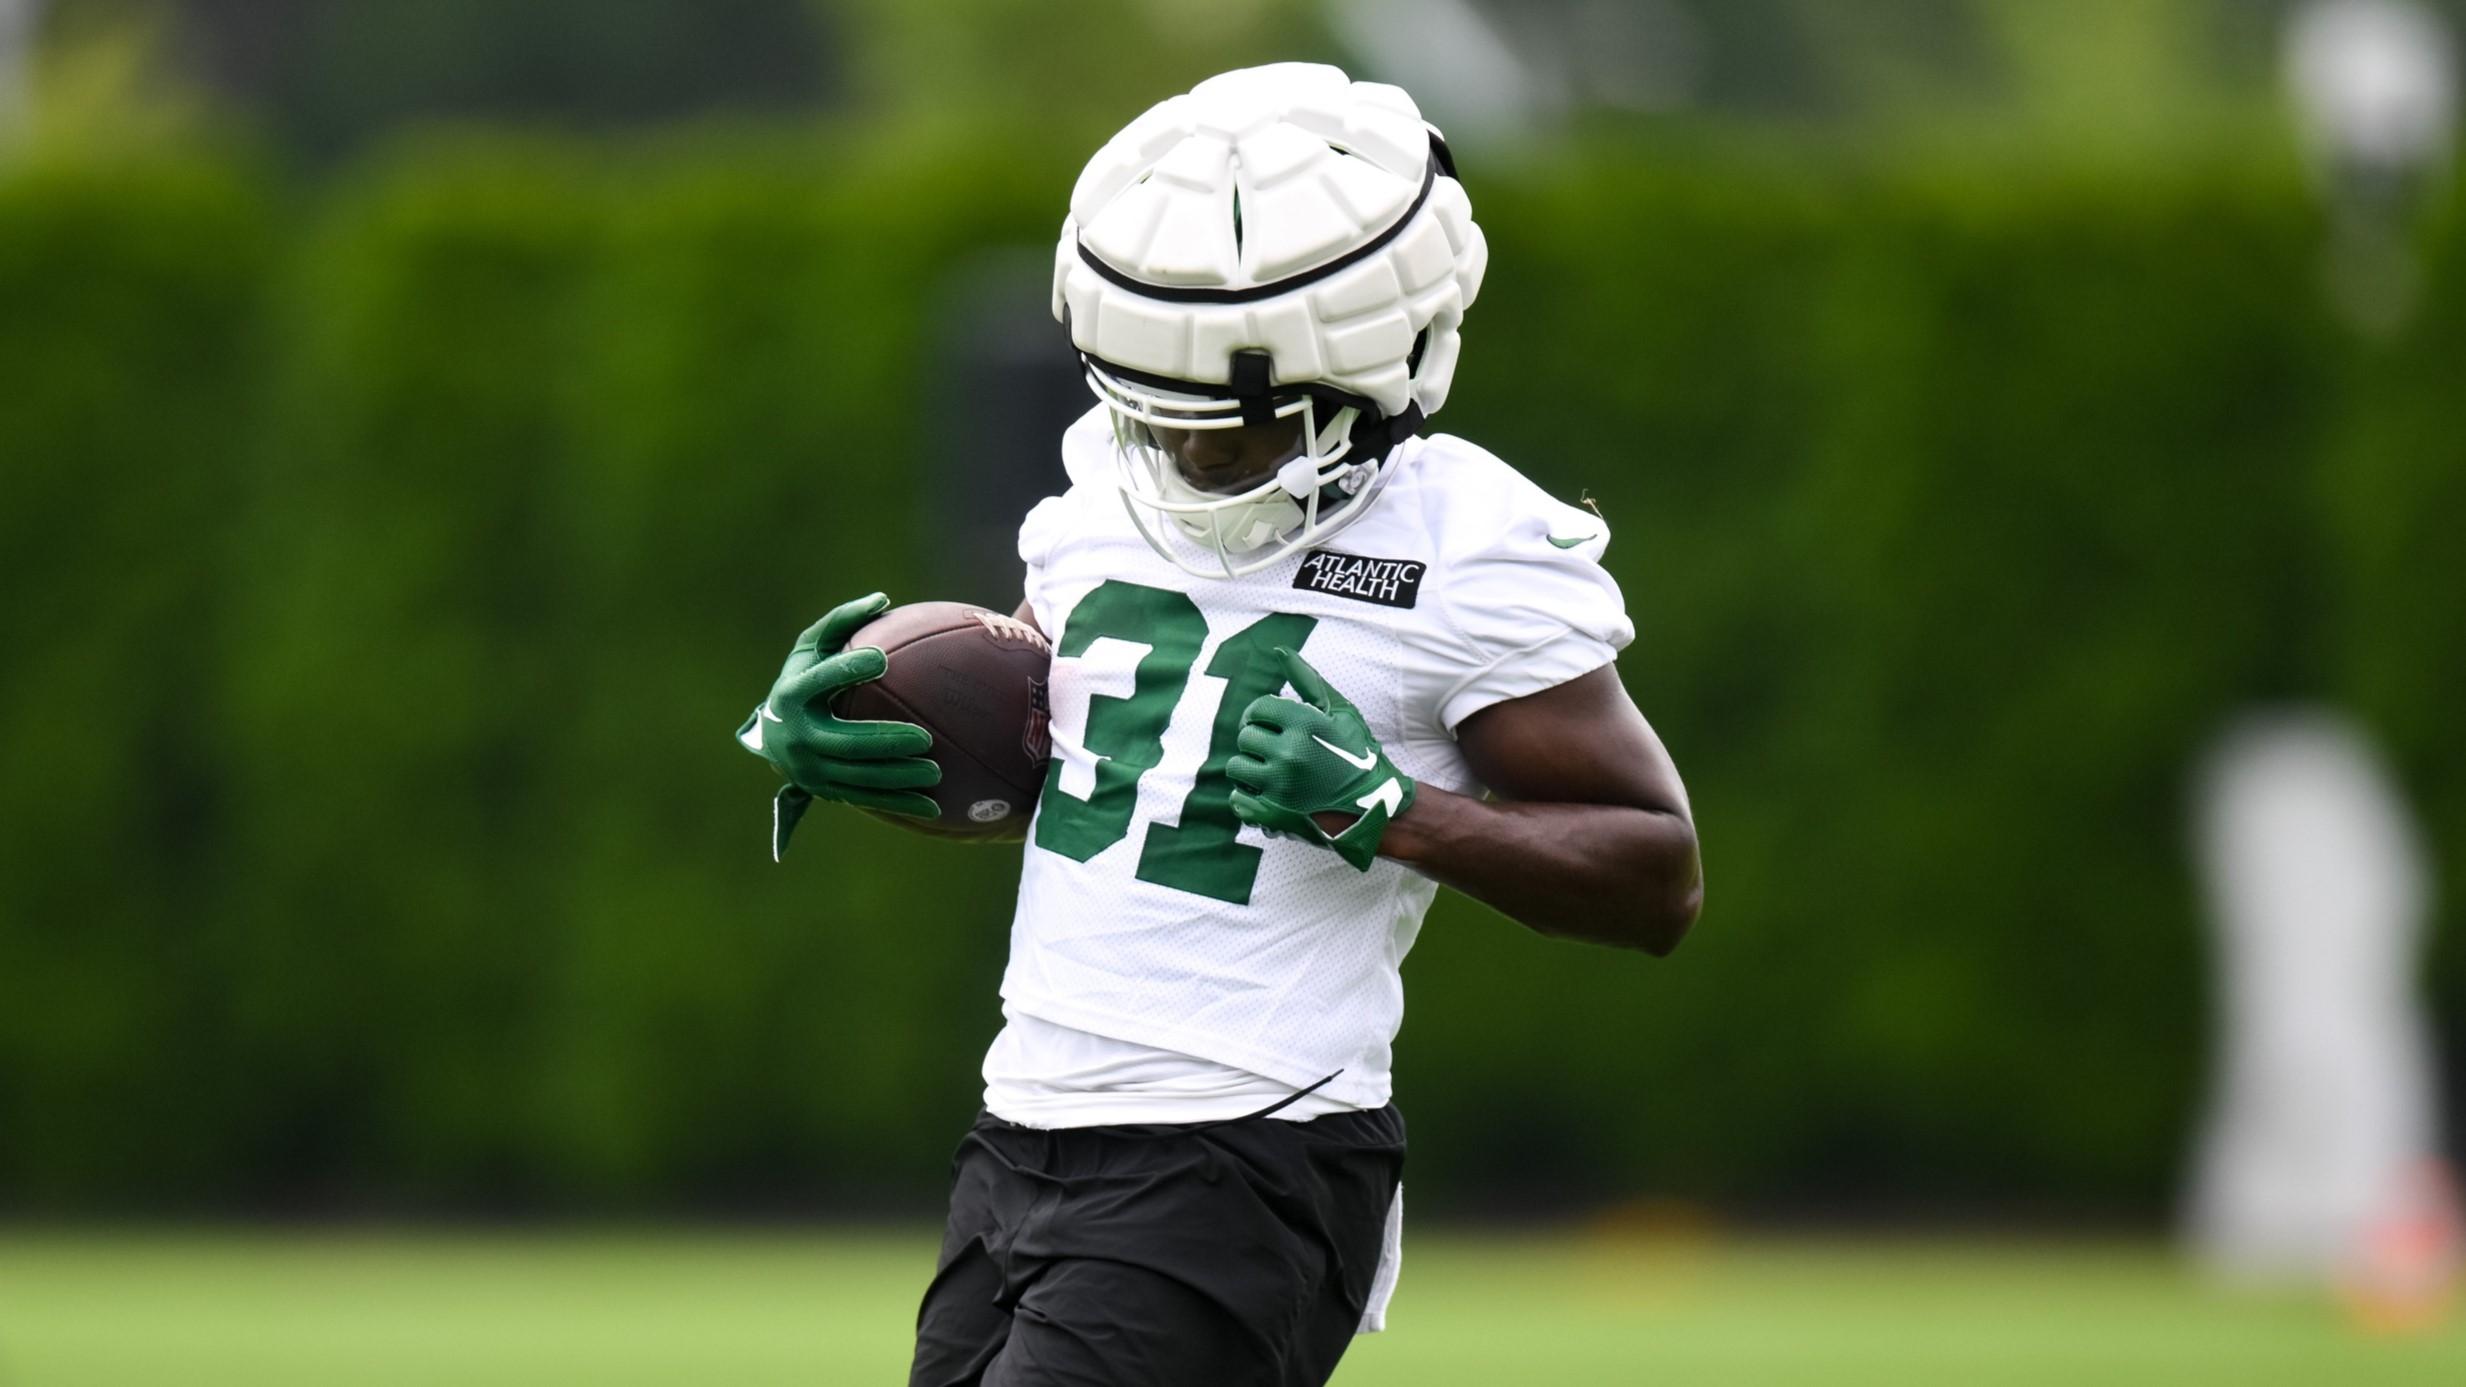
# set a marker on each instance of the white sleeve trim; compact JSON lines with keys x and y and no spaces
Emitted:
{"x":1571,"y":654}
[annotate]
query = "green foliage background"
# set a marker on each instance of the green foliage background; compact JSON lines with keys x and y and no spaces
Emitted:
{"x":383,"y":569}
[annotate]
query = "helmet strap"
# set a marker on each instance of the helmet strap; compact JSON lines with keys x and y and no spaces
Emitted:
{"x":1375,"y":437}
{"x":1249,"y":384}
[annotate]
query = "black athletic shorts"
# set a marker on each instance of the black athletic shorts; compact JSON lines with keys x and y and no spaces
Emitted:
{"x":1235,"y":1254}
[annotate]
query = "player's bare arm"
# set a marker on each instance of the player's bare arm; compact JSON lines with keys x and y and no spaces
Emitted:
{"x":1589,"y":835}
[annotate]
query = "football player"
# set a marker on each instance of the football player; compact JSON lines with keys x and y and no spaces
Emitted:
{"x":1311,"y":662}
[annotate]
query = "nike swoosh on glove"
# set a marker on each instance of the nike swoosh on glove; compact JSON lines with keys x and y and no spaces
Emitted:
{"x":872,"y":765}
{"x":1296,"y":760}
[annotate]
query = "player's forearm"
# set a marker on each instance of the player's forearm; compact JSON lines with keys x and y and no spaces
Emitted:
{"x":1610,"y":874}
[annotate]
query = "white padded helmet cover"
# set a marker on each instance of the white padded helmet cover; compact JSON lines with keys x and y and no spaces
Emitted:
{"x":1254,"y":178}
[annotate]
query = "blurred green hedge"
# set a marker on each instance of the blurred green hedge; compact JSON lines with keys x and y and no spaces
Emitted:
{"x":129,"y":368}
{"x":384,"y":575}
{"x":2392,"y":495}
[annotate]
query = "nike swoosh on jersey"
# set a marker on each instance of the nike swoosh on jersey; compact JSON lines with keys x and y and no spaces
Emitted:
{"x":1572,"y":543}
{"x":1362,"y":762}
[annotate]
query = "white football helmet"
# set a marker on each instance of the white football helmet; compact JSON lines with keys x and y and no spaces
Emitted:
{"x":1282,"y":243}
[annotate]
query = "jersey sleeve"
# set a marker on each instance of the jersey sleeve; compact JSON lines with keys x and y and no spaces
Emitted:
{"x":1051,"y":519}
{"x":1528,"y":608}
{"x":1040,"y":532}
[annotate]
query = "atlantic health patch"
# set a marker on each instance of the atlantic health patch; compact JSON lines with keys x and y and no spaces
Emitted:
{"x":1388,"y":582}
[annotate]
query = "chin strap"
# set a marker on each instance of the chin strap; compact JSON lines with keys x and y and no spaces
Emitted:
{"x":1376,"y":437}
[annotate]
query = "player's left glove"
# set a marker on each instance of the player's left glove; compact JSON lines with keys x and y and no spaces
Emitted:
{"x":879,"y":766}
{"x":1297,"y":760}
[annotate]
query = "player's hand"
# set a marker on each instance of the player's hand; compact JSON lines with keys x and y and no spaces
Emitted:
{"x":1298,"y":760}
{"x":872,"y":765}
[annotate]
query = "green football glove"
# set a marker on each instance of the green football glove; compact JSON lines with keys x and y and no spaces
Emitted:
{"x":872,"y":765}
{"x":1299,"y":760}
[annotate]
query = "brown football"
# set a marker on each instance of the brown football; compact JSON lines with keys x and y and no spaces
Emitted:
{"x":975,"y":679}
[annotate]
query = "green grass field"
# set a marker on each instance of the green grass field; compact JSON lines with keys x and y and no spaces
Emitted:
{"x":819,"y":1308}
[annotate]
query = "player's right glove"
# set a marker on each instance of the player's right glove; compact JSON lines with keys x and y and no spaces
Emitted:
{"x":1297,"y":760}
{"x":872,"y":765}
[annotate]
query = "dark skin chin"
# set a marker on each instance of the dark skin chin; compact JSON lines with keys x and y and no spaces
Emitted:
{"x":1588,"y":834}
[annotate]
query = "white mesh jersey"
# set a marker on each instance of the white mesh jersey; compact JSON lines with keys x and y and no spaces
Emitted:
{"x":1147,"y":913}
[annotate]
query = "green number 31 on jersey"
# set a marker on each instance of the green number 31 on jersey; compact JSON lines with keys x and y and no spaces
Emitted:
{"x":1200,"y":854}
